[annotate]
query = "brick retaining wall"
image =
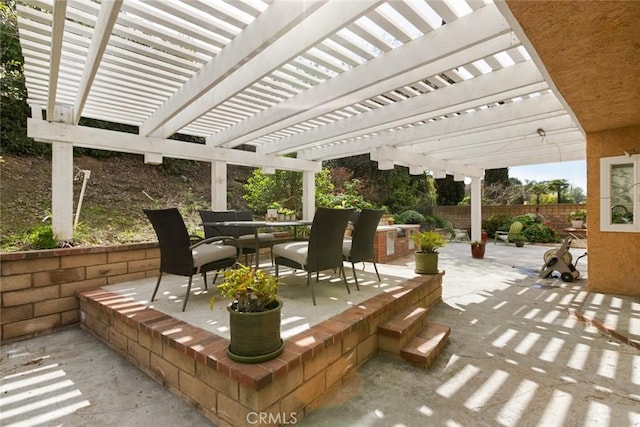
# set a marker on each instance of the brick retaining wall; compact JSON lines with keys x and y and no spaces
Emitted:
{"x":38,"y":287}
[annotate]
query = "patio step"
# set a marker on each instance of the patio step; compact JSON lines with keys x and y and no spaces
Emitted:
{"x":396,"y":333}
{"x":425,"y":347}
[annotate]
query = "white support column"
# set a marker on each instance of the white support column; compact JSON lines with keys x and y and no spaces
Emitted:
{"x":476,"y":209}
{"x":219,"y":186}
{"x":62,"y":190}
{"x":308,"y":195}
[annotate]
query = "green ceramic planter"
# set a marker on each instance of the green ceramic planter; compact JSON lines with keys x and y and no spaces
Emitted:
{"x":255,"y":337}
{"x":426,"y":263}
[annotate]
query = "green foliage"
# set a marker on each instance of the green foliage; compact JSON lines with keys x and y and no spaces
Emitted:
{"x":251,"y":289}
{"x":496,"y":223}
{"x":13,"y":92}
{"x":409,"y":217}
{"x":396,"y":189}
{"x":496,"y":176}
{"x":284,"y":191}
{"x":450,"y":192}
{"x":558,"y":186}
{"x":349,"y":197}
{"x":534,"y":230}
{"x":41,"y":237}
{"x":577,"y":215}
{"x":428,"y":242}
{"x":283,"y":187}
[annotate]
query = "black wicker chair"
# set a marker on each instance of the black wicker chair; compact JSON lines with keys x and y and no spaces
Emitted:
{"x":323,"y":250}
{"x":360,"y":247}
{"x":178,"y":256}
{"x":246,"y":236}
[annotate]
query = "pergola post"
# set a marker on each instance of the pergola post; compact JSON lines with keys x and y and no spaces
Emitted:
{"x":62,"y":190}
{"x":219,"y":186}
{"x":308,"y":195}
{"x":476,"y":209}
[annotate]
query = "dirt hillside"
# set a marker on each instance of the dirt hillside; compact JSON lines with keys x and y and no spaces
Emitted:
{"x":117,"y":191}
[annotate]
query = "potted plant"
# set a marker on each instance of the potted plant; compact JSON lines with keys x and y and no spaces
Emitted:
{"x":272,"y":211}
{"x":254,"y":314}
{"x":426,"y":257}
{"x":519,"y":240}
{"x":577,"y":218}
{"x":477,"y":249}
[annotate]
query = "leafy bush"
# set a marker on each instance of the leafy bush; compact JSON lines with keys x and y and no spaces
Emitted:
{"x":349,"y":197}
{"x":429,"y":223}
{"x":409,"y":217}
{"x":497,"y":223}
{"x":41,"y":237}
{"x":428,"y":242}
{"x":534,"y":230}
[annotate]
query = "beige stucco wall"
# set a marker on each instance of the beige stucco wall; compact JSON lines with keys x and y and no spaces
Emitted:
{"x":614,"y":258}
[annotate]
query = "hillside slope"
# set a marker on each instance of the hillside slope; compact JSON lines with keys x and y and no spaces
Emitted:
{"x":117,"y":191}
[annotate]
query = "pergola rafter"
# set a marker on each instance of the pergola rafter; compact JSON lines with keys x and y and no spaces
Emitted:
{"x":444,"y":86}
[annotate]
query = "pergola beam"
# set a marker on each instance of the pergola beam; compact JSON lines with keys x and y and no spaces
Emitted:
{"x":405,"y":158}
{"x":102,"y":139}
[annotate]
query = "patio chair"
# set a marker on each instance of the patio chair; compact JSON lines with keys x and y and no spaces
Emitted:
{"x":246,"y":236}
{"x":178,"y":256}
{"x":515,"y":230}
{"x":456,"y":234}
{"x":323,"y":250}
{"x":360,"y":247}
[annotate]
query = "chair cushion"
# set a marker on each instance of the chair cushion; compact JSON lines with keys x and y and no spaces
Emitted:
{"x":295,"y":251}
{"x":205,"y":254}
{"x":261,"y":236}
{"x":346,"y":248}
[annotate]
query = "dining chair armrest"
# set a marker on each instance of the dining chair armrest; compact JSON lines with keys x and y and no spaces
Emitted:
{"x":213,"y":239}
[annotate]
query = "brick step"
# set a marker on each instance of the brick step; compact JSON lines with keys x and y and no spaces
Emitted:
{"x":396,"y":333}
{"x":425,"y":347}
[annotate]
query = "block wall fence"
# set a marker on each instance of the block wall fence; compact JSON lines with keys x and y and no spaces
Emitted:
{"x":460,"y":216}
{"x":37,"y":288}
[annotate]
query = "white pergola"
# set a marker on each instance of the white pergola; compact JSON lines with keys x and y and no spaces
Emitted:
{"x":444,"y":86}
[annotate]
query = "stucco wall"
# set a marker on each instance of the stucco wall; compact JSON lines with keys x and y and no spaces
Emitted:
{"x":614,"y":258}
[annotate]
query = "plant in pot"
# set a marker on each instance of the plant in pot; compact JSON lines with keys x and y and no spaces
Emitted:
{"x":519,"y":240}
{"x":426,"y":257}
{"x":477,"y":249}
{"x":577,"y":218}
{"x":254,"y":314}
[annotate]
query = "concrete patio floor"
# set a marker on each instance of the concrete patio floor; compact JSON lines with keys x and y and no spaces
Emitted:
{"x":517,"y":355}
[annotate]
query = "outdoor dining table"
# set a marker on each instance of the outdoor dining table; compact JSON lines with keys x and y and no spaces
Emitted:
{"x":295,"y":224}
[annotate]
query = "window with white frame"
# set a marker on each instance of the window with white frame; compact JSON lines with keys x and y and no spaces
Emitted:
{"x":620,"y":193}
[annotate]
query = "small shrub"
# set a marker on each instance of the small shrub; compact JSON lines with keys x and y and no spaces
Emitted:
{"x":410,"y":217}
{"x":41,"y":237}
{"x":497,"y":223}
{"x":535,"y":230}
{"x":428,"y":242}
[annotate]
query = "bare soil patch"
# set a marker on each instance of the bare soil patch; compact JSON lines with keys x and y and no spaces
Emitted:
{"x":117,"y":191}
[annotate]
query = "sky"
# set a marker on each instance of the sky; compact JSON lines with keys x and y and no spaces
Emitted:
{"x":574,"y":172}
